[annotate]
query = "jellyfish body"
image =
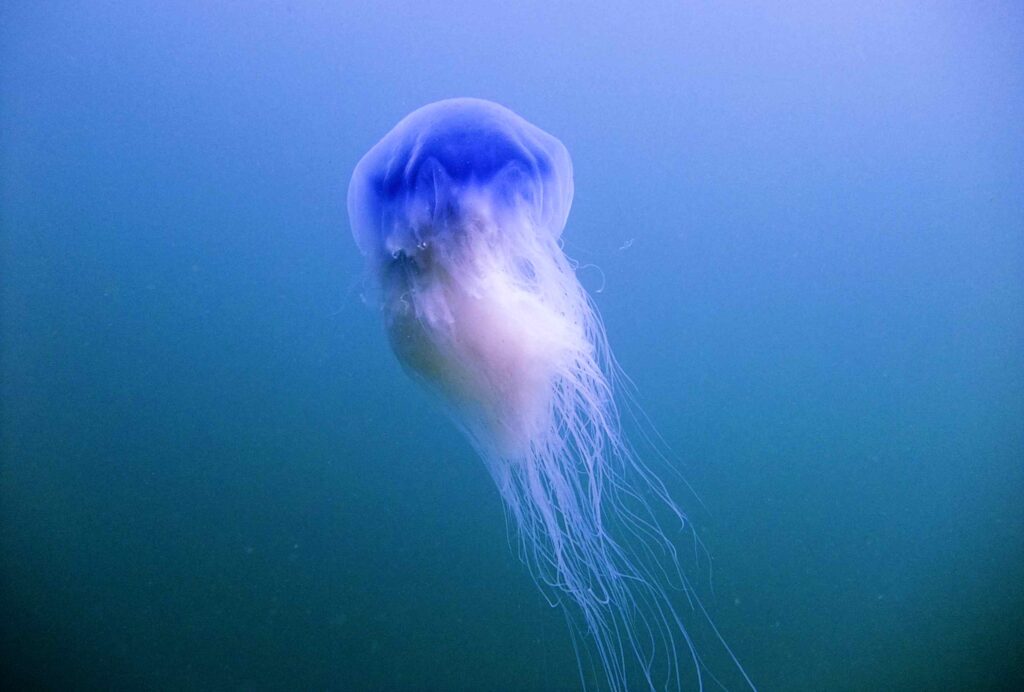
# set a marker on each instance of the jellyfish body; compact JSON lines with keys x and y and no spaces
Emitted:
{"x":458,"y":211}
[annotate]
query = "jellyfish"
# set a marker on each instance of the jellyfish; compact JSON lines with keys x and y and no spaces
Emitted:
{"x":459,"y":211}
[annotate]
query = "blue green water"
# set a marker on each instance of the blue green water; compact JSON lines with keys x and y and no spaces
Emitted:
{"x":808,"y":228}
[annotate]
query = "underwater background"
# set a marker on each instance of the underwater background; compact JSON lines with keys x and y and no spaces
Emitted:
{"x":803,"y":224}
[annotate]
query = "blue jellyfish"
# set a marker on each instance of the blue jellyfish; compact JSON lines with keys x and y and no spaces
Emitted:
{"x":458,"y":211}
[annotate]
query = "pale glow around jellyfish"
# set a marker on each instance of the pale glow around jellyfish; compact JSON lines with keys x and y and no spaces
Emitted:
{"x":458,"y":211}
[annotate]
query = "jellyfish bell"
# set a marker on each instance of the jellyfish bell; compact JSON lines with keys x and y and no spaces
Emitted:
{"x":459,"y":149}
{"x":458,"y":211}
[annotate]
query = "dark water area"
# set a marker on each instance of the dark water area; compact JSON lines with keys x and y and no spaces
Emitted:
{"x":803,"y":226}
